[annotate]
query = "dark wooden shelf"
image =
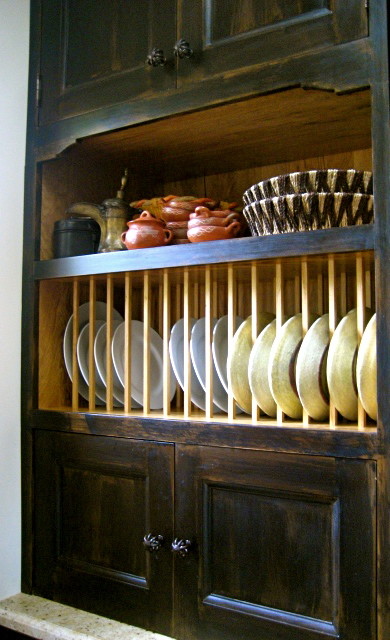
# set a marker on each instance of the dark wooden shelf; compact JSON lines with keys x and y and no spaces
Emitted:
{"x":324,"y":241}
{"x":318,"y":439}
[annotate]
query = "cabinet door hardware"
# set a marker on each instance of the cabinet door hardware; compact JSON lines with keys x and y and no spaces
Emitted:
{"x":156,"y":58}
{"x":153,"y":543}
{"x":182,"y":49}
{"x":181,"y":547}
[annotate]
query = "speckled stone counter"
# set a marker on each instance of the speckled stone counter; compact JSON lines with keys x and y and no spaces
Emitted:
{"x":47,"y":620}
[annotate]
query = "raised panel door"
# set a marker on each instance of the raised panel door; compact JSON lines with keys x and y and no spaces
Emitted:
{"x":226,"y":36}
{"x":276,"y":546}
{"x":96,"y":498}
{"x":93,"y":53}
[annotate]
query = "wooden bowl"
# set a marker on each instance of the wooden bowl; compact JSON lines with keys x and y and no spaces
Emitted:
{"x":307,"y":211}
{"x":315,"y":181}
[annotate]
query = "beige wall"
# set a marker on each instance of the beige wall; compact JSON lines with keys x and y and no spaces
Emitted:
{"x":14,"y":16}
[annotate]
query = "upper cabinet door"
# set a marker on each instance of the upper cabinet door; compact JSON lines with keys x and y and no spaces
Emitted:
{"x":227,"y":35}
{"x":94,"y":52}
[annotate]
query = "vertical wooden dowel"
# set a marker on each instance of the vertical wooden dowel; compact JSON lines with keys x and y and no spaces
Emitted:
{"x":255,"y":324}
{"x":305,"y":317}
{"x":160,"y":318}
{"x":207,"y":343}
{"x":127,"y":359}
{"x":369,"y":299}
{"x":166,"y":324}
{"x":177,"y":309}
{"x":231,"y":312}
{"x":75,"y":337}
{"x":360,"y":323}
{"x":279,"y":307}
{"x":91,"y":340}
{"x":333,"y":416}
{"x":110,"y":322}
{"x":186,"y":343}
{"x":146,"y":343}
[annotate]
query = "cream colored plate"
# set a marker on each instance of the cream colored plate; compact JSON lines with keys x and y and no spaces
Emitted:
{"x":341,"y":366}
{"x":238,"y":359}
{"x":281,"y":370}
{"x":258,"y":369}
{"x":366,"y":369}
{"x":311,"y":380}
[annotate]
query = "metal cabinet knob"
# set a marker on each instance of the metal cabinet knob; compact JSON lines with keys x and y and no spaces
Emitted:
{"x":182,"y":49}
{"x":181,"y":547}
{"x":153,"y":543}
{"x":156,"y":58}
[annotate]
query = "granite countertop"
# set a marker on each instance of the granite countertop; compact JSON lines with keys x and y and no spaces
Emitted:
{"x":47,"y":620}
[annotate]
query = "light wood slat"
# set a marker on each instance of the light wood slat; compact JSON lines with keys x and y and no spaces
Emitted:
{"x":178,"y":315}
{"x":109,"y":333}
{"x":160,"y":304}
{"x":279,"y":310}
{"x":305,"y":317}
{"x":360,"y":322}
{"x":166,"y":326}
{"x":91,"y":341}
{"x":75,"y":335}
{"x":333,"y":415}
{"x":368,"y":289}
{"x":186,"y":341}
{"x":297,"y":294}
{"x":146,"y":343}
{"x":208,"y":337}
{"x":343,"y":294}
{"x":231,"y":309}
{"x":255,"y":324}
{"x":127,"y":358}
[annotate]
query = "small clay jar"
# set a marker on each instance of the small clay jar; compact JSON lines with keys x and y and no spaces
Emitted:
{"x":170,"y":214}
{"x":213,"y":221}
{"x":146,"y":231}
{"x":204,"y":233}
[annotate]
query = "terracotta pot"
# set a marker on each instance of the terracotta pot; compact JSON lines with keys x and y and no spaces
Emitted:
{"x":189,"y":203}
{"x":204,"y":233}
{"x":146,"y":231}
{"x":177,"y":224}
{"x":169,"y":214}
{"x":213,"y":221}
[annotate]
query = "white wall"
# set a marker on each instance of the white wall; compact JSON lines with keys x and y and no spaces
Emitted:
{"x":14,"y":17}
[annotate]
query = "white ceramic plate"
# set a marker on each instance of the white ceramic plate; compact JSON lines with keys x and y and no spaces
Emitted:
{"x":366,"y":377}
{"x":258,"y":369}
{"x":281,"y":370}
{"x":341,"y":366}
{"x":220,"y":347}
{"x":101,"y":362}
{"x":238,"y":360}
{"x":83,"y":312}
{"x":176,"y":353}
{"x":137,"y":363}
{"x":197,"y":348}
{"x":83,"y":360}
{"x":311,"y":369}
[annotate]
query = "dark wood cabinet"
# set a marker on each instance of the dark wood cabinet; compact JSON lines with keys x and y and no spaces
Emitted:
{"x":94,"y":54}
{"x":273,"y":549}
{"x":96,"y":499}
{"x":284,"y":522}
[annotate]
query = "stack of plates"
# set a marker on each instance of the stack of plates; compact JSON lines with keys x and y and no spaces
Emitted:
{"x":118,"y":358}
{"x":296,"y":372}
{"x":197,"y":346}
{"x":308,"y":200}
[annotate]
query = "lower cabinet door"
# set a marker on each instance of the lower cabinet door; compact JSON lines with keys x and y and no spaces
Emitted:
{"x":95,"y":500}
{"x":282,"y":546}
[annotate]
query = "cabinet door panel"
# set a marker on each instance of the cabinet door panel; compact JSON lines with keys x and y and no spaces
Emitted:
{"x":93,"y":53}
{"x":233,"y":34}
{"x":96,"y":499}
{"x":276,"y":549}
